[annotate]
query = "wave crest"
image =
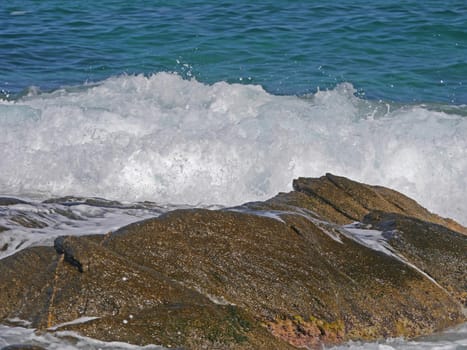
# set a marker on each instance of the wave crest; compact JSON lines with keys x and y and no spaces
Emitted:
{"x":166,"y":139}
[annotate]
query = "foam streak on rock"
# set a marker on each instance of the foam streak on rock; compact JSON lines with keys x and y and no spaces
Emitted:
{"x":375,"y":240}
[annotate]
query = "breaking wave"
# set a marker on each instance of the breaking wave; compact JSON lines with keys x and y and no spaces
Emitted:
{"x":171,"y":140}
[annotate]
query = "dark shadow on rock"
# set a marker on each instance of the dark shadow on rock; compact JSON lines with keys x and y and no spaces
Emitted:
{"x":11,"y":201}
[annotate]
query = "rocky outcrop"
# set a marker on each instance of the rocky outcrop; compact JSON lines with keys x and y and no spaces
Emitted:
{"x":279,"y":274}
{"x":10,"y":201}
{"x":22,"y":347}
{"x":351,"y":201}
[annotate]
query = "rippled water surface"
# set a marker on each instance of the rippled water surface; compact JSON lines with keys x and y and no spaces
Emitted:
{"x":394,"y":50}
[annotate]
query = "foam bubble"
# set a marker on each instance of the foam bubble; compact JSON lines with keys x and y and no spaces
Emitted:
{"x":170,"y":140}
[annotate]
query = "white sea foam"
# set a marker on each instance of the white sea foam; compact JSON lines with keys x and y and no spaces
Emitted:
{"x":36,"y":223}
{"x":272,"y":214}
{"x":170,"y":140}
{"x":452,"y":339}
{"x":74,"y":322}
{"x":372,"y":239}
{"x":63,"y":340}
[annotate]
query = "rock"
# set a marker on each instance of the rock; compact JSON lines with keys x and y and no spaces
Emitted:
{"x":62,"y":246}
{"x":134,"y":304}
{"x":349,"y":201}
{"x":97,"y":202}
{"x":438,"y":251}
{"x":279,"y":274}
{"x":22,"y":347}
{"x":11,"y":201}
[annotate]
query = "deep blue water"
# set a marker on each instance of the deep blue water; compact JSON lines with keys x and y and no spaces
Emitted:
{"x":401,"y":51}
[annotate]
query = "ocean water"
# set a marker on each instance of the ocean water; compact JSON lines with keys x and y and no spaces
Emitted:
{"x":163,"y":104}
{"x":393,"y":50}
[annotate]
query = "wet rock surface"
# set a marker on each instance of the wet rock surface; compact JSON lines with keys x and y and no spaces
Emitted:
{"x":279,"y":274}
{"x":11,"y":201}
{"x":22,"y":347}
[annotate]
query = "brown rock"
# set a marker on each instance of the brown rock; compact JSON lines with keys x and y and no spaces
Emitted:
{"x":353,"y":200}
{"x":274,"y":274}
{"x":22,"y":347}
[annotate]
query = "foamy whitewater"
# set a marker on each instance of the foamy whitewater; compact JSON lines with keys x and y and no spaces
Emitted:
{"x":453,"y":339}
{"x":168,"y":140}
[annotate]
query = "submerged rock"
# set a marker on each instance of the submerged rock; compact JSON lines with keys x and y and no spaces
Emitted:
{"x":22,"y":347}
{"x":279,"y":274}
{"x":11,"y":201}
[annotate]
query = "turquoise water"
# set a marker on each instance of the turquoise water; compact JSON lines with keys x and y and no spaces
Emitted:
{"x":401,"y":51}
